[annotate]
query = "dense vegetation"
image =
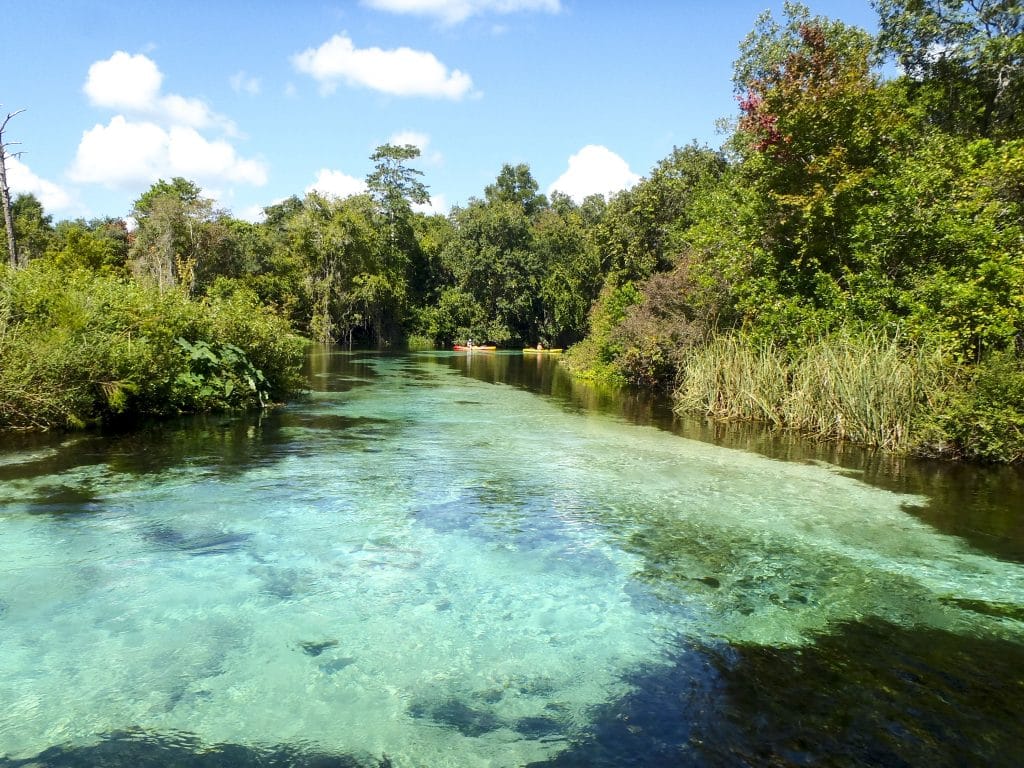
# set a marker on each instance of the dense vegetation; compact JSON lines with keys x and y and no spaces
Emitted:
{"x":849,"y":263}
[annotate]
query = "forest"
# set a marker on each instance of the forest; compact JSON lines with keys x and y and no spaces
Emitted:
{"x":849,"y":263}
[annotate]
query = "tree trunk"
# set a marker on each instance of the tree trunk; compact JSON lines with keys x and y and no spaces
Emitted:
{"x":5,"y":193}
{"x":6,"y":199}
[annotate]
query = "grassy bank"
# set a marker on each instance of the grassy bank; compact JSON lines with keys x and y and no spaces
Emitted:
{"x":864,"y":388}
{"x":78,"y":348}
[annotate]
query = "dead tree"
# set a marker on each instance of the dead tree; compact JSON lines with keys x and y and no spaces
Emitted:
{"x":5,"y":193}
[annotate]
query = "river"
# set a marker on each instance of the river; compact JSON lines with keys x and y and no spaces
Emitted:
{"x":447,"y":559}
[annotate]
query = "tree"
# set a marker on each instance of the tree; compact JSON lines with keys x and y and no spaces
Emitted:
{"x":516,"y":185}
{"x":33,"y":227}
{"x":571,"y":274}
{"x":178,"y":230}
{"x":964,"y":57}
{"x":635,"y":232}
{"x":492,"y":259}
{"x":5,"y":193}
{"x":395,"y":187}
{"x":338,"y":245}
{"x":100,"y":245}
{"x":813,"y":131}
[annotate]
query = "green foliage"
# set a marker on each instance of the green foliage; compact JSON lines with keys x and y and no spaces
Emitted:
{"x":492,"y":259}
{"x":516,"y":185}
{"x":218,"y":377}
{"x":965,"y":60}
{"x":394,"y":184}
{"x":635,"y":235}
{"x":454,"y":318}
{"x":596,"y":356}
{"x":98,"y":246}
{"x":981,"y":419}
{"x":179,"y":238}
{"x":78,"y":348}
{"x":33,"y":228}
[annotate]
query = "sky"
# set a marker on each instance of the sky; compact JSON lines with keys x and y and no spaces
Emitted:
{"x":256,"y":101}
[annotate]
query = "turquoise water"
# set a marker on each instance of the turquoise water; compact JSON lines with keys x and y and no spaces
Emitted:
{"x":421,"y":564}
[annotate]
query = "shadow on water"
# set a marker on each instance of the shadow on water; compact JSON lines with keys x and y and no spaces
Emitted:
{"x":981,"y":504}
{"x":214,"y":446}
{"x":142,"y":749}
{"x":866,"y":694}
{"x":839,"y":702}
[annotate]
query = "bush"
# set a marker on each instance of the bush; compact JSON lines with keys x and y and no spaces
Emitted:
{"x":78,"y":348}
{"x":981,"y":419}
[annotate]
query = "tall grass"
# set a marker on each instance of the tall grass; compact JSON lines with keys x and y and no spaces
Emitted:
{"x":866,"y":388}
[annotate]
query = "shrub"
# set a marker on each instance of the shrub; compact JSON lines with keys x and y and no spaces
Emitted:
{"x":78,"y":348}
{"x":981,"y":417}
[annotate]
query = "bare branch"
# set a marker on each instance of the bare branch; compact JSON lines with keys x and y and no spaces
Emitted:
{"x":5,"y":193}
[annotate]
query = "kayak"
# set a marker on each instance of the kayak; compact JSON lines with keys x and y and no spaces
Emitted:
{"x":534,"y":351}
{"x":474,"y":348}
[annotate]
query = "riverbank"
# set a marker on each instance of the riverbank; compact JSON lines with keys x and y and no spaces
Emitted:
{"x":865,"y":388}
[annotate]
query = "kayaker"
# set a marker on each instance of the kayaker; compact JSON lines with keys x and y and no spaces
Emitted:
{"x":469,"y":343}
{"x":540,"y":346}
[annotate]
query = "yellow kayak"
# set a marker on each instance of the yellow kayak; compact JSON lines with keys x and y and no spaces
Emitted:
{"x":535,"y":351}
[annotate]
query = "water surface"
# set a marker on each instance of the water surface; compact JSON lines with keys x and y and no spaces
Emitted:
{"x":463,"y":560}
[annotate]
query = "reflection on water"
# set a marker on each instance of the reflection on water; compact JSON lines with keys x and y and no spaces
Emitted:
{"x":426,"y":563}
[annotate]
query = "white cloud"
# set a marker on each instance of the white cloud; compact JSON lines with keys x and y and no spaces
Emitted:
{"x":244,"y":83}
{"x":156,"y":134}
{"x":336,"y":184}
{"x":132,"y":84}
{"x":126,"y":154}
{"x":400,"y":72}
{"x":594,"y":170}
{"x":455,"y":11}
{"x":22,"y":180}
{"x":124,"y":82}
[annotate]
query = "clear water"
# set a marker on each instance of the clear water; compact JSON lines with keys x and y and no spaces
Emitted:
{"x":428,"y":563}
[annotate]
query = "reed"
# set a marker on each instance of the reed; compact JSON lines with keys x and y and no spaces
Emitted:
{"x":866,"y":388}
{"x":731,"y":378}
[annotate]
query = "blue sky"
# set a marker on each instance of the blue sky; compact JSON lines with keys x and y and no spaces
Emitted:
{"x":256,"y":101}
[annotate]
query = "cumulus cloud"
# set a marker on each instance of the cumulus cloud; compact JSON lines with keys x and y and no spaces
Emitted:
{"x":156,"y":134}
{"x":336,"y":184}
{"x":456,"y":11}
{"x":594,"y":170}
{"x":399,"y":72}
{"x":22,"y":180}
{"x":132,"y":83}
{"x":126,"y":154}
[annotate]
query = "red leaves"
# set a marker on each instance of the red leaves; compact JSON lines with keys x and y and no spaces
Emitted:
{"x":758,"y":120}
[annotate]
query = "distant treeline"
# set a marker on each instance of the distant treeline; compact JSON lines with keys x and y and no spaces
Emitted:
{"x":849,"y":263}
